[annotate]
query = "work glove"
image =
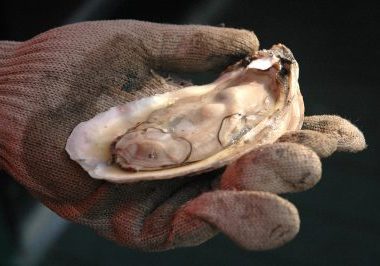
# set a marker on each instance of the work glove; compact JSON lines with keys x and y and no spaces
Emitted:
{"x":54,"y":81}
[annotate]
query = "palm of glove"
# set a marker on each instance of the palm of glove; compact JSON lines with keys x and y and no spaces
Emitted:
{"x":53,"y":82}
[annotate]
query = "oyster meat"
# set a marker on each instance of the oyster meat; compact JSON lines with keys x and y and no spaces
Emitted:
{"x":194,"y":129}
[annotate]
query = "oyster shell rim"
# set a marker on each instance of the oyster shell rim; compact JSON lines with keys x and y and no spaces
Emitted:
{"x":289,"y":91}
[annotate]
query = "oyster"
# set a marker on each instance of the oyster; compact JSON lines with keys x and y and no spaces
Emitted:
{"x":194,"y":129}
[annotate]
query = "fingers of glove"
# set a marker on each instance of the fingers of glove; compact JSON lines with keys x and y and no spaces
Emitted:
{"x":276,"y":168}
{"x":202,"y":48}
{"x":349,"y":137}
{"x":320,"y":143}
{"x":182,"y":48}
{"x":254,"y":220}
{"x":189,"y":48}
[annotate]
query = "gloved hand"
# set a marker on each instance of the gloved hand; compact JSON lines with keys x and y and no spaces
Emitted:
{"x":64,"y":76}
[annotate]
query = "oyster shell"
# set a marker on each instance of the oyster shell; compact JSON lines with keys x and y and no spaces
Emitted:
{"x":194,"y":129}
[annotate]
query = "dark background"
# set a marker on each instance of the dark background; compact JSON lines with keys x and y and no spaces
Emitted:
{"x":337,"y":48}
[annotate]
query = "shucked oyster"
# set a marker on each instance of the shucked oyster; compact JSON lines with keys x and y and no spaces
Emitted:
{"x":195,"y":129}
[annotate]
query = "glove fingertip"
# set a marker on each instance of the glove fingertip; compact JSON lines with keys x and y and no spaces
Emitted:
{"x":349,"y":137}
{"x":254,"y":220}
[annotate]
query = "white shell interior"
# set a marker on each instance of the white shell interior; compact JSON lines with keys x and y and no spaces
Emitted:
{"x":89,"y":144}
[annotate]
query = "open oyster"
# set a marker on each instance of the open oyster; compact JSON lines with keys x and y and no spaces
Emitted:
{"x":194,"y":129}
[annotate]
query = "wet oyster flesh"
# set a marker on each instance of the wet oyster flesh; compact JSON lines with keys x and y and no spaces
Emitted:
{"x":195,"y":129}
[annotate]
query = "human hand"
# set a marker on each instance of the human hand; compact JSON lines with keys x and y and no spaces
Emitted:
{"x":67,"y":75}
